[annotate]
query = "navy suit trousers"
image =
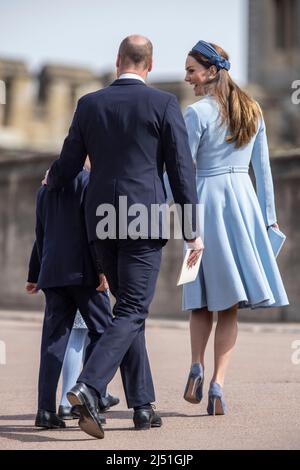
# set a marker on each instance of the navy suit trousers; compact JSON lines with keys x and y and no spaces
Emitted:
{"x":131,"y":268}
{"x":61,"y":306}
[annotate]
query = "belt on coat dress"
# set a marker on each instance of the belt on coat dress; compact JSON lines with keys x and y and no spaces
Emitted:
{"x":222,"y":170}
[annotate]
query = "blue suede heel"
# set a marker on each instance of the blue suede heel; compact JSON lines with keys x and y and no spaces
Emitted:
{"x":216,"y":404}
{"x":194,"y":388}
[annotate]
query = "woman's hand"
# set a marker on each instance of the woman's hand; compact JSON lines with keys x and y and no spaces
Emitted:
{"x":197,"y":247}
{"x":275,"y":225}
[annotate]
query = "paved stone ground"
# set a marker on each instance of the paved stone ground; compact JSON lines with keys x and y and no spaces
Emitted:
{"x":262,"y":394}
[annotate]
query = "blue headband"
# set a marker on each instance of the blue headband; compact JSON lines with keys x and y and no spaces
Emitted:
{"x":212,"y":55}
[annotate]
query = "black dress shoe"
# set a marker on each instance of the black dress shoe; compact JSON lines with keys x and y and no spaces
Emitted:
{"x":73,"y":412}
{"x":68,"y":412}
{"x":107,"y":402}
{"x":146,"y":419}
{"x":86,"y":397}
{"x":48,"y":420}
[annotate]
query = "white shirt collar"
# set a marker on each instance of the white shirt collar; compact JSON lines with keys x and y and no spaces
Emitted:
{"x":131,"y":75}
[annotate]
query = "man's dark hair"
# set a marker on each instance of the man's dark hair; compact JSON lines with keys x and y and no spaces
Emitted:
{"x":137,"y":54}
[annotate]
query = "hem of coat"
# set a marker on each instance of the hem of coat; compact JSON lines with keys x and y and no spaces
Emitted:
{"x":242,"y":304}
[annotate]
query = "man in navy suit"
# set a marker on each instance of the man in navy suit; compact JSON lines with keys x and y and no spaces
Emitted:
{"x":131,"y":132}
{"x":62,"y":266}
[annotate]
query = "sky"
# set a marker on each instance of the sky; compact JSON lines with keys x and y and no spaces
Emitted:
{"x":88,"y":32}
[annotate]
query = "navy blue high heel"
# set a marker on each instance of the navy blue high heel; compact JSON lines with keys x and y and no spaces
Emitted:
{"x":194,"y":388}
{"x":216,"y":404}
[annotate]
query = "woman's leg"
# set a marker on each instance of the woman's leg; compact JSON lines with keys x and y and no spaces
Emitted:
{"x":201,"y":323}
{"x":73,"y":361}
{"x":225,"y":339}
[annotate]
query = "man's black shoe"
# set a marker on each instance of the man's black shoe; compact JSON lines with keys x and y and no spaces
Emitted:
{"x":107,"y":402}
{"x":48,"y":420}
{"x":68,"y":412}
{"x":89,"y":420}
{"x":73,"y":412}
{"x":146,"y":418}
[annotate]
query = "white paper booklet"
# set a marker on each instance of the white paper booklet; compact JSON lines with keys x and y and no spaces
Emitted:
{"x":188,"y":274}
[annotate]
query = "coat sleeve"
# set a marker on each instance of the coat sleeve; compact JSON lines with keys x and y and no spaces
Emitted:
{"x":72,"y":156}
{"x":34,"y":265}
{"x":39,"y":228}
{"x":260,"y":161}
{"x":179,"y":166}
{"x":194,"y":130}
{"x":93,"y":252}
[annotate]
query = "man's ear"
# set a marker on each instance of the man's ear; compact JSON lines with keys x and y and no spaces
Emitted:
{"x":150,"y":66}
{"x":118,"y":61}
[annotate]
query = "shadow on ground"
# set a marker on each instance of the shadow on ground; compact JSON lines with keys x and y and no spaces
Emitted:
{"x":29,"y":433}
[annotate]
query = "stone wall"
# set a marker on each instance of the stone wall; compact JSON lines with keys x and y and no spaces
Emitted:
{"x":274,"y":65}
{"x":39,"y":106}
{"x":20,"y":176}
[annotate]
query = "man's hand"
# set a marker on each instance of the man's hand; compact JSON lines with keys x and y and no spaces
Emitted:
{"x":31,"y":288}
{"x":275,"y":225}
{"x":103,"y":284}
{"x":44,"y":181}
{"x":197,"y":247}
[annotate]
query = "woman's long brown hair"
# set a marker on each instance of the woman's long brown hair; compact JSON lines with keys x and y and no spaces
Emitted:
{"x":238,"y":110}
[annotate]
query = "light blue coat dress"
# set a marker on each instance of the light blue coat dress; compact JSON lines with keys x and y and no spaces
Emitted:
{"x":238,"y":265}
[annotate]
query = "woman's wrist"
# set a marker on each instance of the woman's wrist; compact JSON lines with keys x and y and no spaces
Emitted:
{"x":275,"y":225}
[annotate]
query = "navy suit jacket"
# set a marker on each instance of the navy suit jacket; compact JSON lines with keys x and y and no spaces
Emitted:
{"x":61,"y":255}
{"x":130,"y":132}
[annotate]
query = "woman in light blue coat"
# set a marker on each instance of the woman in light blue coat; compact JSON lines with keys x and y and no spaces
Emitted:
{"x":238,"y":268}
